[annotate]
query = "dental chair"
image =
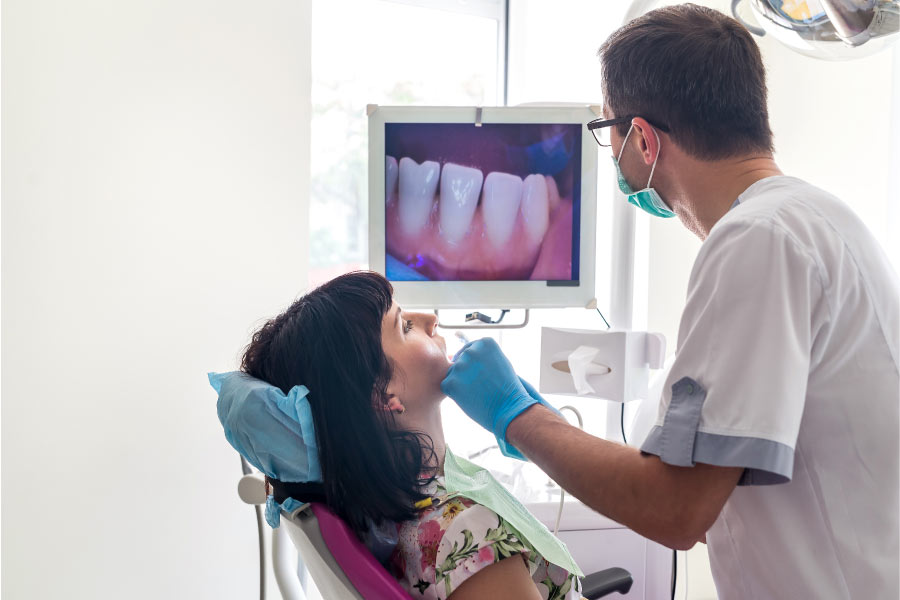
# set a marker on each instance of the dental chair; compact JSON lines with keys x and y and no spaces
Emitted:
{"x":342,"y":567}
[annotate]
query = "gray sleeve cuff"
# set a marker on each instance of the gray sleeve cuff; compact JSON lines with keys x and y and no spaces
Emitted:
{"x":678,"y":442}
{"x":765,"y":462}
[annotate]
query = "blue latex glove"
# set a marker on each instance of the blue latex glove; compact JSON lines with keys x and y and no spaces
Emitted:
{"x":483,"y":383}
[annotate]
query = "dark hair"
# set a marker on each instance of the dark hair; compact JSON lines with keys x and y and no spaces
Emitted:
{"x":330,"y":341}
{"x":695,"y":70}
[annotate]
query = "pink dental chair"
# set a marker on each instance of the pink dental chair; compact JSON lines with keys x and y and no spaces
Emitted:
{"x":343,"y":568}
{"x":340,"y":565}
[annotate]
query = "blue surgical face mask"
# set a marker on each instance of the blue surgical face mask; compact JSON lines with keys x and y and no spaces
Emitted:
{"x":646,"y":199}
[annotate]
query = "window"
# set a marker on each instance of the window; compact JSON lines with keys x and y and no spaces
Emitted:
{"x":390,"y":53}
{"x":448,"y":52}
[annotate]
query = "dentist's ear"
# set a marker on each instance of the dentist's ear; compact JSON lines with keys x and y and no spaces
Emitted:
{"x":647,"y":138}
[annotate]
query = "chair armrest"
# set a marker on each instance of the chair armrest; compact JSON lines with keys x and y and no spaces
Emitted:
{"x":605,"y":582}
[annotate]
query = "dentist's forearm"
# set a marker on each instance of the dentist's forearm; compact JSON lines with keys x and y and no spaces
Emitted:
{"x":674,"y":506}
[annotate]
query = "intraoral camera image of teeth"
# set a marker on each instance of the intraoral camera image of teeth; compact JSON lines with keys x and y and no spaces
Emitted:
{"x":499,"y":202}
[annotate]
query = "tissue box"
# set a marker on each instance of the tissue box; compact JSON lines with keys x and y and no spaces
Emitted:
{"x":612,"y":365}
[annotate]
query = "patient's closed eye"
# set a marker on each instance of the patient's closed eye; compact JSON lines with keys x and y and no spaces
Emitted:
{"x":409,"y":325}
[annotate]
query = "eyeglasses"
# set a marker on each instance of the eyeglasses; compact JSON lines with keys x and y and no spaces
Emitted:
{"x":601,"y":128}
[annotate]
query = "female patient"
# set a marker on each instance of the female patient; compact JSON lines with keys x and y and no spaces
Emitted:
{"x":373,"y":372}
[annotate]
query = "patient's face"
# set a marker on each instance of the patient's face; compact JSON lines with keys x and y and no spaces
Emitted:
{"x":419,"y":356}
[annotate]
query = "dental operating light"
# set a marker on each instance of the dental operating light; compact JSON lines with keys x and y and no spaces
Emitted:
{"x":827,"y":29}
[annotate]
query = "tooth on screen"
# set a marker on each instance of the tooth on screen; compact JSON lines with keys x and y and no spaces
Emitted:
{"x":390,"y":179}
{"x":418,"y":184}
{"x":501,"y":198}
{"x":535,"y":207}
{"x":552,"y":192}
{"x":460,"y":188}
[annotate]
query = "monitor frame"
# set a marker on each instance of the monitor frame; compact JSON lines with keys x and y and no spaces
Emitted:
{"x":487,"y":294}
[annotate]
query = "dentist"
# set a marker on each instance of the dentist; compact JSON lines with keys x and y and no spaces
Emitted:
{"x":777,"y":436}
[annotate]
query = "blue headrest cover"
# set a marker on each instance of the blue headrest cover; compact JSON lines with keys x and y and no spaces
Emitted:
{"x":272,"y":430}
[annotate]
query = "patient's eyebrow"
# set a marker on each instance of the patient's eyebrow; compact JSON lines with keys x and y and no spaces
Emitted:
{"x":397,"y":320}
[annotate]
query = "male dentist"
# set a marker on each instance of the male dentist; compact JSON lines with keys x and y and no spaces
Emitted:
{"x":777,"y":435}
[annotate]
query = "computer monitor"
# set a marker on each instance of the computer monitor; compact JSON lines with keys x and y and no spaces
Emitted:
{"x":483,"y":208}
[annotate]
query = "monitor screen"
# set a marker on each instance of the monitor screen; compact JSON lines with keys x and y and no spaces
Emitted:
{"x":497,"y":202}
{"x":490,"y":207}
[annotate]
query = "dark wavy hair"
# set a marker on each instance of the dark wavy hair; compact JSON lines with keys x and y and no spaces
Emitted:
{"x":330,"y":341}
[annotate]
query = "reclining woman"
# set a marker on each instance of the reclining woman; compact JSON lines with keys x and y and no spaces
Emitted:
{"x":372,"y":374}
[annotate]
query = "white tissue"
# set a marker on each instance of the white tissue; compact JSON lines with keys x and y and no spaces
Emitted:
{"x":585,"y":369}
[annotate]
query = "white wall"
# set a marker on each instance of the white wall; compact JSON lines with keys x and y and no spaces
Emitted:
{"x":154,"y":184}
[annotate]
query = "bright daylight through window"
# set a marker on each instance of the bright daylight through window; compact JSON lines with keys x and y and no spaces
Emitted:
{"x":448,"y":56}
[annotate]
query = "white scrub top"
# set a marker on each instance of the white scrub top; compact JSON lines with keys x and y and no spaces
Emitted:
{"x":787,"y":365}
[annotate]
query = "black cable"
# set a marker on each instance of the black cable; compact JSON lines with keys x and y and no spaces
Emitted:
{"x":674,"y":571}
{"x":482,"y":451}
{"x":477,"y":316}
{"x":245,"y":469}
{"x":604,"y":319}
{"x":622,"y":415}
{"x":625,"y":440}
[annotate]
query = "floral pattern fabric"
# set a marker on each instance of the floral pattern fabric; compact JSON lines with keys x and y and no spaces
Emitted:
{"x":449,"y":543}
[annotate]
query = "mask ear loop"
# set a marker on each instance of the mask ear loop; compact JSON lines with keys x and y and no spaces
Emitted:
{"x":625,"y":141}
{"x":656,"y":160}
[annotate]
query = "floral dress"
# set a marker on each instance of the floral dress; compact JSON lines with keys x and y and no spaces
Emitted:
{"x":449,"y":543}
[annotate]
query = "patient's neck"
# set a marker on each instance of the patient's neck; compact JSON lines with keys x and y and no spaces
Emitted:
{"x":427,"y":420}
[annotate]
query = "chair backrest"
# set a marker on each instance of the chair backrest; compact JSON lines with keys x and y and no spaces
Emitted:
{"x":341,"y":566}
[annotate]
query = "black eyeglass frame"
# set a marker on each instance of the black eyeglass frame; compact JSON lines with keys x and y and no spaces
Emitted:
{"x":601,"y":122}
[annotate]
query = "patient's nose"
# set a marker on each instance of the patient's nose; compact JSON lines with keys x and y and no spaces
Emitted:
{"x":429,"y":321}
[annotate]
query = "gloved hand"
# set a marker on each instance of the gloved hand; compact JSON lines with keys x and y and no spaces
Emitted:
{"x":534,"y":394}
{"x":483,"y":383}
